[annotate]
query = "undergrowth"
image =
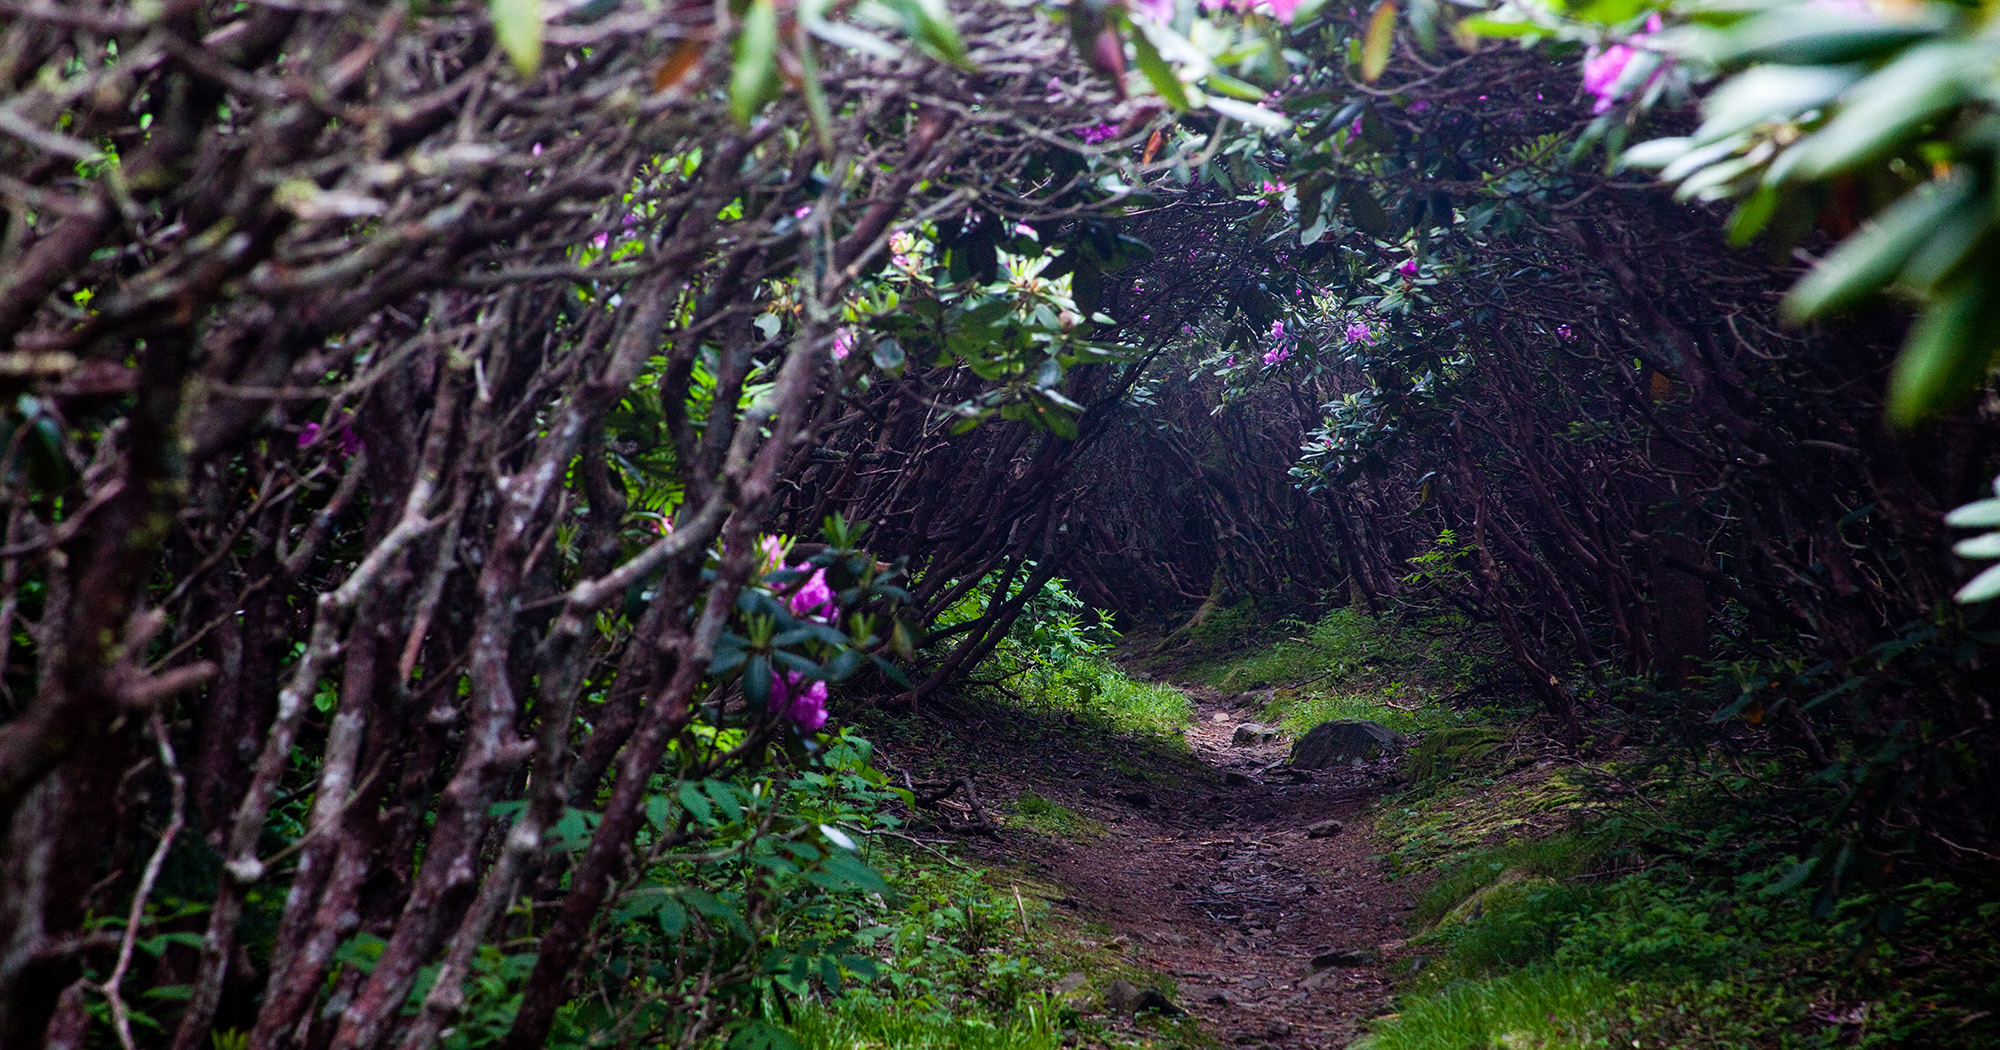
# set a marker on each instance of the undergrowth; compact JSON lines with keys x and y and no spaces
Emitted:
{"x":1658,"y":904}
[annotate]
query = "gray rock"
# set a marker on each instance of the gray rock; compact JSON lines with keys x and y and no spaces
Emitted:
{"x":1250,"y":733}
{"x":1328,"y":960}
{"x":1069,"y":983}
{"x":1325,"y":829}
{"x":1336,"y":743}
{"x":1123,"y":997}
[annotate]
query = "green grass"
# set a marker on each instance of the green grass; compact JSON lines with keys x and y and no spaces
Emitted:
{"x":1557,"y":857}
{"x":1039,"y":814}
{"x":1543,"y":1008}
{"x":1299,"y":711}
{"x":847,"y":1025}
{"x":1097,"y":692}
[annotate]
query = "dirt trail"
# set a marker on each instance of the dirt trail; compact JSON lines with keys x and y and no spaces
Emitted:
{"x":1275,"y":938}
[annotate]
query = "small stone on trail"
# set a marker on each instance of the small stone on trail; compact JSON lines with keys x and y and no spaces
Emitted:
{"x":1202,"y":993}
{"x":1325,"y":829}
{"x":1340,"y":742}
{"x":1070,"y":983}
{"x":1234,"y":779}
{"x":1219,"y":716}
{"x":1250,"y":733}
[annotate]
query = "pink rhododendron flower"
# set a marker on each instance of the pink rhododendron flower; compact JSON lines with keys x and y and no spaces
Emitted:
{"x":1161,"y":11}
{"x":794,"y":699}
{"x":1096,"y":133}
{"x":1277,"y":329}
{"x":345,"y":441}
{"x":1277,"y":355}
{"x":815,"y":598}
{"x":1603,"y":69}
{"x":1408,"y":267}
{"x":843,"y":343}
{"x":1563,"y":330}
{"x":600,"y":241}
{"x":1359,"y":332}
{"x":1282,"y":10}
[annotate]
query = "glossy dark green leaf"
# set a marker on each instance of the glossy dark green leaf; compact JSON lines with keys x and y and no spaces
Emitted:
{"x":1366,"y":212}
{"x":1157,"y":72}
{"x":1875,"y":254}
{"x":1949,"y":352}
{"x":1885,"y":108}
{"x":1829,"y":37}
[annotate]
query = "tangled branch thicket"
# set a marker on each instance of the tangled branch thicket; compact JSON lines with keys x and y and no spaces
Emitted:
{"x":377,"y":416}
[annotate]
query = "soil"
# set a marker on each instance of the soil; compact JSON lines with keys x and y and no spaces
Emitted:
{"x":1206,"y":871}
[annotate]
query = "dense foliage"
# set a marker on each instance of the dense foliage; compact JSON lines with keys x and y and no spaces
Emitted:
{"x":459,"y":455}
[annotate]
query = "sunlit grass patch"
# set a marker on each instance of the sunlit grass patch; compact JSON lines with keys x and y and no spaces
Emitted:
{"x":1097,"y":692}
{"x":1542,"y":1008}
{"x":1050,"y":818}
{"x":856,"y":1025}
{"x":1296,"y":712}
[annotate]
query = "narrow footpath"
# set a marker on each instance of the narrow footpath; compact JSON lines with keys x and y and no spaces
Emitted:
{"x":1250,"y":884}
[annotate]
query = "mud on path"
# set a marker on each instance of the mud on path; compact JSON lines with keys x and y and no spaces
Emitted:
{"x":1207,"y":873}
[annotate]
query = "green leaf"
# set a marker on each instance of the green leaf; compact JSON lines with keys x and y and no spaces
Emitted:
{"x":757,"y":681}
{"x":1871,"y":257}
{"x":1492,"y":26}
{"x":1886,"y":108}
{"x":1257,"y":117}
{"x":1948,"y":354}
{"x":1983,"y":514}
{"x":1983,"y":587}
{"x":929,"y":22}
{"x":1158,"y":72}
{"x":672,"y":917}
{"x":1985,"y":547}
{"x":696,"y":803}
{"x":1769,"y":92}
{"x":1753,"y":215}
{"x":755,"y":74}
{"x":1828,"y":37}
{"x":1366,"y":212}
{"x":517,"y":26}
{"x":1381,"y":36}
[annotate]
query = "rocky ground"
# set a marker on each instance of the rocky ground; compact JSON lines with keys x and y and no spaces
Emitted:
{"x":1247,"y":883}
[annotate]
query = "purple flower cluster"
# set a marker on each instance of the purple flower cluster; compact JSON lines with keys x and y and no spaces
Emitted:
{"x":1602,"y":70}
{"x":815,"y":599}
{"x":344,"y":441}
{"x":793,"y":698}
{"x":1095,"y":133}
{"x":1359,"y":332}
